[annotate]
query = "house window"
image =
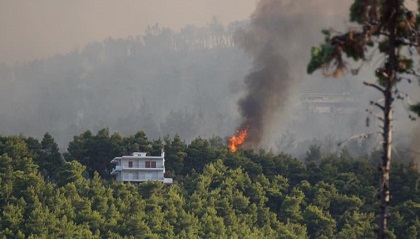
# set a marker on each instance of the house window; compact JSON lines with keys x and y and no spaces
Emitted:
{"x":130,"y":164}
{"x":150,"y":164}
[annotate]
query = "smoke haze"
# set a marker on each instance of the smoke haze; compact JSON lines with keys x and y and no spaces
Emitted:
{"x":184,"y":75}
{"x":274,"y":39}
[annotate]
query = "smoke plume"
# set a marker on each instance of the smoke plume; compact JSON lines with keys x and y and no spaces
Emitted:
{"x":269,"y":82}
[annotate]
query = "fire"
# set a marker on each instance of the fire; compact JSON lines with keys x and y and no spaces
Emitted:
{"x":237,"y":140}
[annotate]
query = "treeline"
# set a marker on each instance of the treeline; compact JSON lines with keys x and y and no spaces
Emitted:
{"x":192,"y":38}
{"x":216,"y":193}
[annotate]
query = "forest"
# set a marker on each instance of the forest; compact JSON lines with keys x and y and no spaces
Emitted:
{"x":215,"y":194}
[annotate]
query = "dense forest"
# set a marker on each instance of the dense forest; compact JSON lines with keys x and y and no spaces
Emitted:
{"x":215,"y":194}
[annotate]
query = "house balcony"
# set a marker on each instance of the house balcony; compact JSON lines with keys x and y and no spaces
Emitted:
{"x":142,"y":179}
{"x":116,"y":170}
{"x":164,"y":180}
{"x":120,"y":168}
{"x":142,"y":169}
{"x":116,"y":160}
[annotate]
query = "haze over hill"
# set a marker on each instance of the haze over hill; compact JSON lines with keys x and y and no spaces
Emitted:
{"x":183,"y":75}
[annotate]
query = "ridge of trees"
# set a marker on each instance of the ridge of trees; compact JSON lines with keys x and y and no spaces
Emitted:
{"x":216,"y":193}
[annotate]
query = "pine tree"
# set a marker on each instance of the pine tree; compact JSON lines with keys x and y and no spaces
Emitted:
{"x":49,"y":159}
{"x":392,"y":29}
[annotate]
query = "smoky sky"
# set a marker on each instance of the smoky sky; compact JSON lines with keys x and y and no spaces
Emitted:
{"x":278,"y":38}
{"x":39,"y":29}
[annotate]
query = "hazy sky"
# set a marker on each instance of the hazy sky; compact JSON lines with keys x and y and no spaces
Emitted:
{"x":40,"y":28}
{"x":32,"y":29}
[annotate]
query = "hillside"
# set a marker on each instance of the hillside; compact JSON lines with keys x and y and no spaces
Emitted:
{"x":216,"y":194}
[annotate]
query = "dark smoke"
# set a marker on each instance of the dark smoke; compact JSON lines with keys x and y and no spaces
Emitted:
{"x":269,"y":83}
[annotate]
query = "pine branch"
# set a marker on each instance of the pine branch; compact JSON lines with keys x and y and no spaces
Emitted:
{"x":374,"y":86}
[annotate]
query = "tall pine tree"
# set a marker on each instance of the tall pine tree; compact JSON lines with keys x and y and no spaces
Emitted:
{"x":389,"y":28}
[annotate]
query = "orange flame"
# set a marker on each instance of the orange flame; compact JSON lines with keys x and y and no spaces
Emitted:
{"x":237,"y":140}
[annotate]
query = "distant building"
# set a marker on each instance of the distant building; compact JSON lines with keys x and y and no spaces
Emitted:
{"x":139,"y":167}
{"x":329,"y":103}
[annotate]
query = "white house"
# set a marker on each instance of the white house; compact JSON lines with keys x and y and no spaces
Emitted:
{"x":139,"y":167}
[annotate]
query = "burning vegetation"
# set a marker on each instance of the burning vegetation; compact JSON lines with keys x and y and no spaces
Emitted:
{"x":237,"y":140}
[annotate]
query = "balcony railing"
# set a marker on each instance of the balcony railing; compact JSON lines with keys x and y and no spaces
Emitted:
{"x":143,"y":168}
{"x":164,"y":180}
{"x":117,"y":168}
